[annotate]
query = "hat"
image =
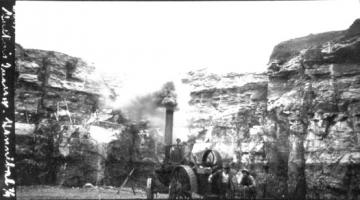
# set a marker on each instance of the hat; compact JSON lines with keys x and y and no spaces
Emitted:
{"x":245,"y":170}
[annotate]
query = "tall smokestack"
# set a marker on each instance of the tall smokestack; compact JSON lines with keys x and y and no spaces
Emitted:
{"x":167,"y":98}
{"x":169,"y":118}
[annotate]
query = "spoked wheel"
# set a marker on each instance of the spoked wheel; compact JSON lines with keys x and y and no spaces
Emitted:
{"x":182,"y":184}
{"x":149,"y":189}
{"x":212,"y":158}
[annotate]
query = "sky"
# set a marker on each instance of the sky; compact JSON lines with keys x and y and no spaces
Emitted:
{"x":149,"y":43}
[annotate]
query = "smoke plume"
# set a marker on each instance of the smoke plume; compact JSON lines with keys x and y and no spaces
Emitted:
{"x":150,"y":107}
{"x":166,"y":96}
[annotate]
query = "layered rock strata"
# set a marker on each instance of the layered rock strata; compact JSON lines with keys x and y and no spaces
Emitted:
{"x":229,"y":114}
{"x":314,"y":100}
{"x":297,"y":126}
{"x":227,"y":109}
{"x":67,"y":132}
{"x":55,"y":96}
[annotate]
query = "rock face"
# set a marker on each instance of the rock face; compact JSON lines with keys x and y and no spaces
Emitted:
{"x":300,"y":120}
{"x":54,"y":83}
{"x":314,"y":95}
{"x":229,"y":114}
{"x":62,"y":118}
{"x":56,"y":95}
{"x":227,"y":109}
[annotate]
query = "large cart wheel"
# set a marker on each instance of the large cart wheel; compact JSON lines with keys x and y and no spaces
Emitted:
{"x":149,"y":189}
{"x":183,"y":183}
{"x":212,"y":158}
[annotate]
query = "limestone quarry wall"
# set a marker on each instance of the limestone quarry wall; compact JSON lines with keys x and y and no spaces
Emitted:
{"x":61,"y":111}
{"x":55,"y":96}
{"x":314,"y":101}
{"x":295,"y":126}
{"x":227,"y":109}
{"x":228,"y":113}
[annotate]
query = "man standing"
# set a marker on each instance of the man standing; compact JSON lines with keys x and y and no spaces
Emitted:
{"x":248,"y":184}
{"x":177,"y":153}
{"x":223,"y":181}
{"x":233,"y":170}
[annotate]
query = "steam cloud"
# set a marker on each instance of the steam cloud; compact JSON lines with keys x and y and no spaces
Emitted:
{"x":149,"y":107}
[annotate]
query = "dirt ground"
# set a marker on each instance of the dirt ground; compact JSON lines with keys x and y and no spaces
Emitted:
{"x":55,"y":192}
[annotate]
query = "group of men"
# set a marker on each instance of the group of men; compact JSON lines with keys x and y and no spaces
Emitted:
{"x":230,"y":180}
{"x":227,"y":178}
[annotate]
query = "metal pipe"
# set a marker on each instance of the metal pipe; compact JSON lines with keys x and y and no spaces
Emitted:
{"x":169,"y":118}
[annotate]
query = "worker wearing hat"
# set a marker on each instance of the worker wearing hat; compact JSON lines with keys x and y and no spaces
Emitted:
{"x":223,"y":177}
{"x":177,"y":152}
{"x":248,"y":183}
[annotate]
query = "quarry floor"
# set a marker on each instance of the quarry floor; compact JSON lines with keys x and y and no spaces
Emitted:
{"x":56,"y":192}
